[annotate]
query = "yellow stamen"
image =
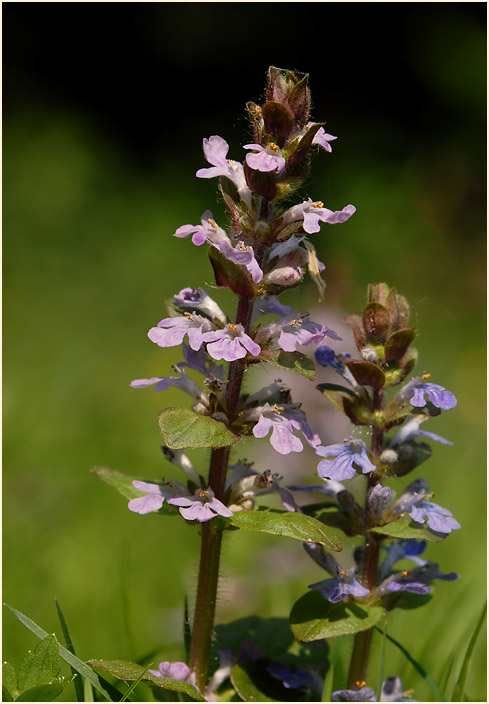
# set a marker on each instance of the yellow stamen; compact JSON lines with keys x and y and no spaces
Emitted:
{"x":277,"y":409}
{"x":360,"y":684}
{"x":318,"y":205}
{"x":273,"y":147}
{"x":406,"y":573}
{"x":232,"y":327}
{"x":188,"y":316}
{"x":201,"y":492}
{"x":242,"y":246}
{"x":426,"y":376}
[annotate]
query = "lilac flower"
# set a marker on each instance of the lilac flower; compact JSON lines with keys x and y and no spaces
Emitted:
{"x":283,"y":421}
{"x":230,"y":343}
{"x":327,"y":357}
{"x":392,"y":691}
{"x":300,"y":331}
{"x":343,"y":456}
{"x":411,"y":430}
{"x":155,"y":498}
{"x":201,"y":362}
{"x":312,"y":212}
{"x":265,"y":159}
{"x":202,"y":506}
{"x":439,"y":519}
{"x":173,"y":670}
{"x":215,"y":152}
{"x":322,"y":138}
{"x":244,"y":256}
{"x":418,"y":388}
{"x":171,"y":331}
{"x":198,"y":300}
{"x":271,"y":304}
{"x":183,"y":382}
{"x":409,"y":549}
{"x":291,"y":679}
{"x":363,"y":694}
{"x":342,"y":586}
{"x":208,"y":231}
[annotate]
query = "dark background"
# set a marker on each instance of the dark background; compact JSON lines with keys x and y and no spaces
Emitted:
{"x":105,"y":108}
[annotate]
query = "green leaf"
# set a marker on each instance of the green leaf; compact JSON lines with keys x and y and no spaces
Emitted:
{"x":419,"y":668}
{"x":40,"y":666}
{"x":398,"y":343}
{"x":244,"y":685}
{"x":135,"y":683}
{"x":123,"y":484}
{"x":459,"y":691}
{"x":6,"y":696}
{"x":41,"y":693}
{"x":292,"y":361}
{"x":404,"y":527}
{"x":68,"y":657}
{"x":314,"y":617}
{"x":288,"y":523}
{"x":9,"y":679}
{"x":367,"y":373}
{"x":253,"y":683}
{"x":125,"y":670}
{"x":69,"y":645}
{"x":328,"y":684}
{"x":182,"y":428}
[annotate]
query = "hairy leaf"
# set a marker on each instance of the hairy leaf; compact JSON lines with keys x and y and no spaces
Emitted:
{"x":40,"y":666}
{"x":182,"y":428}
{"x":41,"y":693}
{"x":314,"y":617}
{"x":292,"y":361}
{"x":68,"y":657}
{"x":242,"y":679}
{"x":129,"y":671}
{"x":404,"y":527}
{"x":9,"y":680}
{"x":293,"y":525}
{"x":123,"y":484}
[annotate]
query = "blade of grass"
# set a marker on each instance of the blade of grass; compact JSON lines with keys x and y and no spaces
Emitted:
{"x":135,"y":683}
{"x":380,"y":676}
{"x":459,"y":690}
{"x":69,"y":645}
{"x":328,"y":684}
{"x":87,"y":691}
{"x":68,"y":657}
{"x":445,"y":676}
{"x":419,"y":668}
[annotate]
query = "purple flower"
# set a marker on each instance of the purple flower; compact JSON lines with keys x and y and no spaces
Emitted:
{"x":343,"y":456}
{"x":171,"y":331}
{"x":340,"y":587}
{"x":378,"y":499}
{"x":418,"y":388}
{"x":173,"y":670}
{"x":202,"y":506}
{"x":439,"y":519}
{"x":230,"y":343}
{"x":300,"y":331}
{"x":271,"y":304}
{"x":215,"y":151}
{"x":265,"y":159}
{"x":411,"y":430}
{"x":208,"y":231}
{"x":322,"y":138}
{"x":283,"y":421}
{"x":392,"y":691}
{"x":312,"y":212}
{"x":327,"y":357}
{"x":156,"y":496}
{"x":410,"y":549}
{"x":363,"y":694}
{"x":198,"y":300}
{"x":243,"y":255}
{"x":291,"y":679}
{"x":183,"y":382}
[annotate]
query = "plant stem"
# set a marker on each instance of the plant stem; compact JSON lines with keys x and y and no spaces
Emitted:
{"x":205,"y":605}
{"x":363,"y":640}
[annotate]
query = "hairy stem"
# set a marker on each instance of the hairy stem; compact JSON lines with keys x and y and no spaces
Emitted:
{"x":205,"y":606}
{"x":363,"y":640}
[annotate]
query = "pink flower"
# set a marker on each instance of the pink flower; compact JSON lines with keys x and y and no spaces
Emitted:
{"x":230,"y":343}
{"x":265,"y":159}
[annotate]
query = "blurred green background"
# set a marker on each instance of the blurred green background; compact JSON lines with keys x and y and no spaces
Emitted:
{"x":105,"y":107}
